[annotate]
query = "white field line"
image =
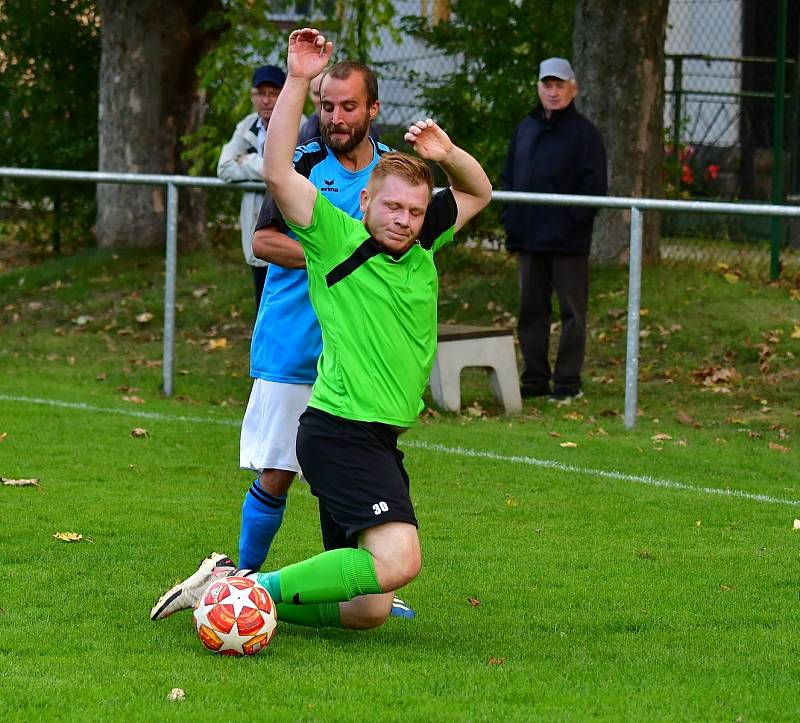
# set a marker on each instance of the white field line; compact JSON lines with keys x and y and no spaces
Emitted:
{"x":607,"y":474}
{"x":439,"y":448}
{"x":123,"y":412}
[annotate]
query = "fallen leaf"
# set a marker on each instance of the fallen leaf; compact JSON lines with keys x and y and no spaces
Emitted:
{"x":3,"y":436}
{"x":200,"y":291}
{"x":473,"y":601}
{"x":133,"y":399}
{"x":511,"y":502}
{"x":795,"y":333}
{"x":214,"y":344}
{"x":711,"y":375}
{"x":20,"y":482}
{"x":725,"y":588}
{"x":775,"y":447}
{"x":496,"y":661}
{"x":731,"y":278}
{"x":176,"y":694}
{"x":574,"y":416}
{"x":144,"y":317}
{"x":68,"y":536}
{"x":476,"y":410}
{"x":554,"y":434}
{"x":660,"y":437}
{"x":82,"y":320}
{"x":139,"y":432}
{"x":568,"y":445}
{"x":796,"y":525}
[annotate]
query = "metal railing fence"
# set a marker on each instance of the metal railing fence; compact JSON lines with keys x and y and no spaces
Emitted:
{"x":637,"y":207}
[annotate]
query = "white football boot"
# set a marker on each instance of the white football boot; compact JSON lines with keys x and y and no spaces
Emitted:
{"x":185,"y":594}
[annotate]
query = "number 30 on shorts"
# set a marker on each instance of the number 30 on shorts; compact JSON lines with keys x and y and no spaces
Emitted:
{"x":379,"y":507}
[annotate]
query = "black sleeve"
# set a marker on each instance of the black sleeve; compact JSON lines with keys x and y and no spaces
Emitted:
{"x":304,"y":161}
{"x":592,"y":174}
{"x":270,"y":215}
{"x":440,"y":216}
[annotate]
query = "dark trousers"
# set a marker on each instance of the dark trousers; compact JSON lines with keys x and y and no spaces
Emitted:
{"x":259,"y":277}
{"x":539,"y":275}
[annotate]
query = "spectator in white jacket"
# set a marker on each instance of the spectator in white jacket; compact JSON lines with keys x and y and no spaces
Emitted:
{"x":240,"y":160}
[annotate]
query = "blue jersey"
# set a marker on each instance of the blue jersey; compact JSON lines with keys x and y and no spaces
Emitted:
{"x":287,"y":340}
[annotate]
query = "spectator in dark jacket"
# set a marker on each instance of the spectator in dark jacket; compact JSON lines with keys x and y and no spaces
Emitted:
{"x":553,"y":150}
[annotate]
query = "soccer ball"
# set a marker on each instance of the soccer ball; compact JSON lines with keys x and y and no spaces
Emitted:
{"x":235,"y":616}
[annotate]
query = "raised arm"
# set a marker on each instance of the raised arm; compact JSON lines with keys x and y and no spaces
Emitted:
{"x":295,"y":195}
{"x":469,"y":183}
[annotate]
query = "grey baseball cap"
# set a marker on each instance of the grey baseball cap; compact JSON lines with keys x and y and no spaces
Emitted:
{"x":556,"y":68}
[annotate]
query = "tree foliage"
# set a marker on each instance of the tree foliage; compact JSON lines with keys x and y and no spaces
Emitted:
{"x":49,"y":58}
{"x":500,"y":45}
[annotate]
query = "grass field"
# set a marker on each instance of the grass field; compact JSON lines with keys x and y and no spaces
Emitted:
{"x":639,"y":575}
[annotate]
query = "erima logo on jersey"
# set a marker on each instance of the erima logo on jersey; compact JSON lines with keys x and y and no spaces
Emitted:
{"x":329,"y":186}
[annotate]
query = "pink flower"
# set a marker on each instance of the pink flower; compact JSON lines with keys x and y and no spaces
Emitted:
{"x":712,"y":171}
{"x":687,"y":175}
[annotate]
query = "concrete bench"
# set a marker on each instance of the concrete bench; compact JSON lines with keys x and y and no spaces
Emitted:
{"x":475,"y":346}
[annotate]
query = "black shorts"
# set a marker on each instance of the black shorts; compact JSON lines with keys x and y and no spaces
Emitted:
{"x":356,"y":472}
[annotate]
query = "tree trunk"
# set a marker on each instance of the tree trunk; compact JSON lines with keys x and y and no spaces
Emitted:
{"x":618,"y":48}
{"x":148,"y":100}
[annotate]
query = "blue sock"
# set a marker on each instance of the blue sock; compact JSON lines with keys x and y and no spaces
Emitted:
{"x":262,"y":514}
{"x":271,"y":581}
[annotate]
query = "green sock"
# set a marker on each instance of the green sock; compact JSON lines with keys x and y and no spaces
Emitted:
{"x":321,"y":615}
{"x":328,"y":577}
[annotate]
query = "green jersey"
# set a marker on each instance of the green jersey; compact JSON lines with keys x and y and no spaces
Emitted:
{"x":377,"y":312}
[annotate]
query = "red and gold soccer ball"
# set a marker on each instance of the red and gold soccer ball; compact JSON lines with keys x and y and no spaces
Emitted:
{"x":235,"y":616}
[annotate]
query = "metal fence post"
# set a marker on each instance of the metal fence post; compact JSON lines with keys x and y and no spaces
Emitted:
{"x":677,"y":92}
{"x":776,"y":224}
{"x":634,"y":306}
{"x":169,"y":286}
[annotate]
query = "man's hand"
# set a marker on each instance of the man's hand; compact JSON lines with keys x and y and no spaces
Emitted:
{"x":309,"y":53}
{"x":429,"y":141}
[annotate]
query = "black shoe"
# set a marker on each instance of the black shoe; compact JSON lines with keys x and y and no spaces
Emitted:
{"x":565,"y":394}
{"x":529,"y":390}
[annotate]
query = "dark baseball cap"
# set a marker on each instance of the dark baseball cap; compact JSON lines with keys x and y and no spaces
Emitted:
{"x":269,"y":74}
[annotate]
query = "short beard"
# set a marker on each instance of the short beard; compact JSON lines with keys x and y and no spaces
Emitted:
{"x":357,"y":134}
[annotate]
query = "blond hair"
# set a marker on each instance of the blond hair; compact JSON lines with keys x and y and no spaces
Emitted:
{"x":411,"y":169}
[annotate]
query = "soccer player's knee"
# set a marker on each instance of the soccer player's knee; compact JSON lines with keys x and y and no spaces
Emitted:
{"x":403,"y":569}
{"x":413,"y":564}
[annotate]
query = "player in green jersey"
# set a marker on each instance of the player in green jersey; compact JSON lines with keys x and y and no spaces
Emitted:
{"x":374,"y":288}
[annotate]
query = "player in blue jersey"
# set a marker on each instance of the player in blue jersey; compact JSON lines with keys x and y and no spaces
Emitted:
{"x":286,"y":339}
